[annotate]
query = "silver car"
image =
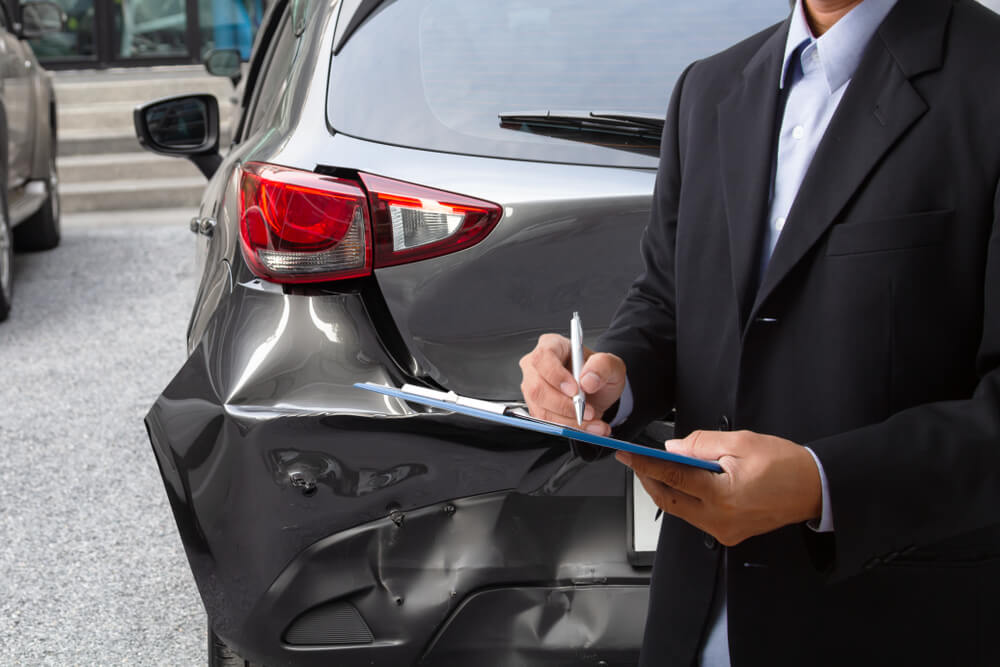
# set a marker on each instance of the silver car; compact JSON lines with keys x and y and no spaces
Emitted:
{"x":29,"y":183}
{"x":415,"y":191}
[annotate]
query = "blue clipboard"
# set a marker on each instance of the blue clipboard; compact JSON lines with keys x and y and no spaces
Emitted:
{"x":539,"y":426}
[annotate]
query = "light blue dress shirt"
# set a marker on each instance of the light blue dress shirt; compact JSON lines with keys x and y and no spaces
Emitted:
{"x":814,"y":76}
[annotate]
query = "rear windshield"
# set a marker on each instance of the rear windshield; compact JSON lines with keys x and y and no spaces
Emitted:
{"x":435,"y":74}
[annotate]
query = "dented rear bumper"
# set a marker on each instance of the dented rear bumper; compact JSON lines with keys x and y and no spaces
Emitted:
{"x":326,"y":525}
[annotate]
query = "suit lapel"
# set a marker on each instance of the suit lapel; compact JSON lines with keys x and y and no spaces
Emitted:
{"x":748,"y":118}
{"x":879,"y":106}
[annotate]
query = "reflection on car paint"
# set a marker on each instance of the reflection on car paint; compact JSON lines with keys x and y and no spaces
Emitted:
{"x":304,"y":470}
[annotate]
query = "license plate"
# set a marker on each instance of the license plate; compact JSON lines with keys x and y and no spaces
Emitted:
{"x":644,"y":528}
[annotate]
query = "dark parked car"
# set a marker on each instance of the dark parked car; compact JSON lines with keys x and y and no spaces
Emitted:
{"x":29,"y":184}
{"x":416,"y":190}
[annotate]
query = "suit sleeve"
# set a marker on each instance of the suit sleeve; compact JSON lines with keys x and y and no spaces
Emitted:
{"x":642,"y":331}
{"x":926,"y":474}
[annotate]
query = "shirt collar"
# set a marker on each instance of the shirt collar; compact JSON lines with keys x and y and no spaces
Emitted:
{"x":841,"y":46}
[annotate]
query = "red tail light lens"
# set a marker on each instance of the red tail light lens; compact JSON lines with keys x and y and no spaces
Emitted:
{"x":299,"y":226}
{"x":413,"y":222}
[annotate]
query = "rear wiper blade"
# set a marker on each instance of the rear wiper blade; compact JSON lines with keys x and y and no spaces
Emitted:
{"x":624,"y":130}
{"x":625,"y":120}
{"x":647,"y":119}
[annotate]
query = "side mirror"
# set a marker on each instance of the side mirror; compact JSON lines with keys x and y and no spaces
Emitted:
{"x":225,"y":62}
{"x":185,"y":125}
{"x":41,"y":18}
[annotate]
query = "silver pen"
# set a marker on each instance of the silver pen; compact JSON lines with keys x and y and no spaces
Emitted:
{"x":576,"y":342}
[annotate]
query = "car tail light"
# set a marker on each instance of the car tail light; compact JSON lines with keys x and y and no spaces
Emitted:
{"x":413,"y":222}
{"x":300,"y":226}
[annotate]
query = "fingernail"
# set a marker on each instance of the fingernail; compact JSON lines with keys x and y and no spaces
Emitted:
{"x":568,"y":388}
{"x":669,"y":444}
{"x":588,"y":413}
{"x":596,"y":429}
{"x":591,"y":382}
{"x":622,"y":457}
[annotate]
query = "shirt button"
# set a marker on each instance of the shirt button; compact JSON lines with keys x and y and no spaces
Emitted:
{"x":779,"y":223}
{"x":710,"y":542}
{"x":798,"y":132}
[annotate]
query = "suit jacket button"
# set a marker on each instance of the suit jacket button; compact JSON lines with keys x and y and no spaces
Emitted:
{"x":724,"y":423}
{"x":710,"y":542}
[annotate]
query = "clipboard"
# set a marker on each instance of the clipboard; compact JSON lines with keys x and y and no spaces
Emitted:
{"x":500,"y":413}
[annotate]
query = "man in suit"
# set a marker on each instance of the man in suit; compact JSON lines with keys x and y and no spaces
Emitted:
{"x":822,"y":272}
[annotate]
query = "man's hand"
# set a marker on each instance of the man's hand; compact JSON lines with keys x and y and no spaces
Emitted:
{"x":768,"y":482}
{"x":548,"y":385}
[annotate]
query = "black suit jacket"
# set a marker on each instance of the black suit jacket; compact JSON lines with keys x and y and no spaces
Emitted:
{"x":874,"y":338}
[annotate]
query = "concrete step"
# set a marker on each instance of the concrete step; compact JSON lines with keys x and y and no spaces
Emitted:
{"x":122,"y":167}
{"x":101,"y":87}
{"x":95,"y":117}
{"x":145,"y":193}
{"x":129,"y":217}
{"x":120,"y":140}
{"x":87,"y":142}
{"x":112,"y":115}
{"x":130,"y":91}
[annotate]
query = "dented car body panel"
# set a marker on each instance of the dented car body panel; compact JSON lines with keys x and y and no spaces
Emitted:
{"x":292,"y":489}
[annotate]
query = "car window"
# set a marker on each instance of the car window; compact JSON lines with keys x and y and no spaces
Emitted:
{"x":273,"y":81}
{"x":3,"y":16}
{"x":258,"y":59}
{"x":456,"y":64}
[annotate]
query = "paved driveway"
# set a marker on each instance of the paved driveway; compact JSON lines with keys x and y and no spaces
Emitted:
{"x":91,"y":567}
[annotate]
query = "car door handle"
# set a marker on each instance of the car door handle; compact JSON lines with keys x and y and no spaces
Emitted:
{"x":203,"y":226}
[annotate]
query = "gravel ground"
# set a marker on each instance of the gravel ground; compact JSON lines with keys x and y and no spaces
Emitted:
{"x":93,"y":569}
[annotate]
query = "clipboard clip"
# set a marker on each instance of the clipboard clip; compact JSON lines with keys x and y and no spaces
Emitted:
{"x":452,"y":397}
